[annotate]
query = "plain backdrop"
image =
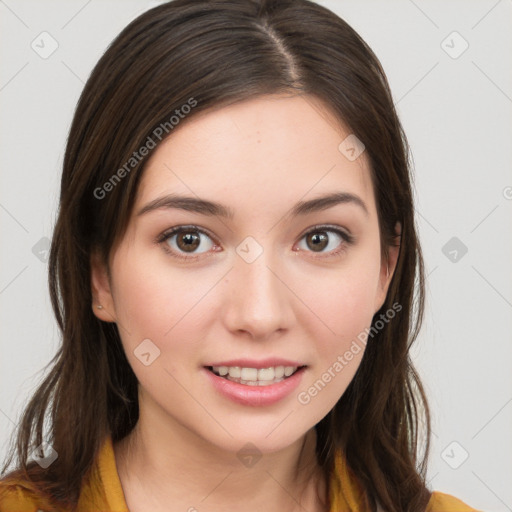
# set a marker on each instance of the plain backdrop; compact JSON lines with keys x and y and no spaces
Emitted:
{"x":450,"y":70}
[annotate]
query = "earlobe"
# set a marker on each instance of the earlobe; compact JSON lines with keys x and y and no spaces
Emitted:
{"x":103,"y":303}
{"x":388,"y":267}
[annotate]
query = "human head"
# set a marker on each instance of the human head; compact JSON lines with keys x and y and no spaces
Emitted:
{"x":219,"y":53}
{"x":259,"y":282}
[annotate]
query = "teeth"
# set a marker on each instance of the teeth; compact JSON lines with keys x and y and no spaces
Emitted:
{"x":234,"y":371}
{"x":266,"y":374}
{"x":255,"y":376}
{"x":254,"y":382}
{"x":288,"y":370}
{"x":248,"y":374}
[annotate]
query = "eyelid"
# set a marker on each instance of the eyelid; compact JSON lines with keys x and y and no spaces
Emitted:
{"x":183,"y":227}
{"x":345,"y":233}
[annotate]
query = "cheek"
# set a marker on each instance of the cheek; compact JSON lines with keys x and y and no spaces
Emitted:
{"x":342,"y":300}
{"x":154,"y":301}
{"x":340,"y":316}
{"x":341,"y":308}
{"x":345,"y":303}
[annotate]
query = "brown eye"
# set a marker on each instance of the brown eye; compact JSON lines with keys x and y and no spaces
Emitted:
{"x":188,"y":241}
{"x":317,"y":241}
{"x":325,"y":239}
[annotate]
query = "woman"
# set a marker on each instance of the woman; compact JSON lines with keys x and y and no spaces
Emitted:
{"x":233,"y":270}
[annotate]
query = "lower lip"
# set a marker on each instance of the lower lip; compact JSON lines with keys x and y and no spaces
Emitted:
{"x":255,"y":395}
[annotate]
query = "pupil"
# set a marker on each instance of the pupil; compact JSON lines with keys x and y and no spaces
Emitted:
{"x":320,"y":237}
{"x":190,"y":240}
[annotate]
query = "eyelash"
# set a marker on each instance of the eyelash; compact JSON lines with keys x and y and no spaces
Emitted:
{"x":161,"y":239}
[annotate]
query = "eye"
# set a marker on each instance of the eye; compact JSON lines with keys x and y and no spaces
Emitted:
{"x":330,"y":238}
{"x":183,"y":241}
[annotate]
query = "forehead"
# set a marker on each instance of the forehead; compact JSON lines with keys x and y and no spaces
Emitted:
{"x":269,"y":149}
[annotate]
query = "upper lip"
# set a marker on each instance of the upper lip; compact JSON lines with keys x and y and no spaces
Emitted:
{"x":262,"y":363}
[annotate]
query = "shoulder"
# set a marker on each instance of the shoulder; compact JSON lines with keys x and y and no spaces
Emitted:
{"x":441,"y":502}
{"x":17,"y":495}
{"x":100,"y":489}
{"x":14,"y":497}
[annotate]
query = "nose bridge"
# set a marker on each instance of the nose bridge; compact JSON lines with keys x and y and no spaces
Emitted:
{"x":259,"y":301}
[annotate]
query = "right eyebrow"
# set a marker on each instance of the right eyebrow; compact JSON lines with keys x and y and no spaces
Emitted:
{"x":191,"y":204}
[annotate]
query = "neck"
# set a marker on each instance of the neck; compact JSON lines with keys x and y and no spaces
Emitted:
{"x":172,"y":465}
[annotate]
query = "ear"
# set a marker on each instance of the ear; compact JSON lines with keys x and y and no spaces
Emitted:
{"x":101,"y":290}
{"x":387,"y":268}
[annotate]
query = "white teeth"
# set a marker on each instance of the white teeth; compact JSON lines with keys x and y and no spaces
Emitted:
{"x":234,"y":371}
{"x":255,"y":376}
{"x":249,"y":374}
{"x":288,"y":370}
{"x":266,"y":374}
{"x":279,"y":372}
{"x":254,"y":382}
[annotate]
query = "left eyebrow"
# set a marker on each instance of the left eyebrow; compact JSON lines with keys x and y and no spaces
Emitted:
{"x":327,"y":201}
{"x":212,"y":208}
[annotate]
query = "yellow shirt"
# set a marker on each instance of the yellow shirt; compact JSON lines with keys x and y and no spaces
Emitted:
{"x":102,"y":492}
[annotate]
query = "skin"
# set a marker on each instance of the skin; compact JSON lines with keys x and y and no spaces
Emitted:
{"x":258,"y":158}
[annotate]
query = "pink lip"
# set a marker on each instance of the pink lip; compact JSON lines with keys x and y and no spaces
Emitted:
{"x":251,"y":363}
{"x":255,"y":395}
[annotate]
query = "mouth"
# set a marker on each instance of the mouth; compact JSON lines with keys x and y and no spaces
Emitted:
{"x":255,"y":376}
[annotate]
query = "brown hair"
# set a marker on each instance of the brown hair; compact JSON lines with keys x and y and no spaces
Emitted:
{"x":218,"y":52}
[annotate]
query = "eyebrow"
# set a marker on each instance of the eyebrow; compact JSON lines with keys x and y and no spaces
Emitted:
{"x":212,"y":208}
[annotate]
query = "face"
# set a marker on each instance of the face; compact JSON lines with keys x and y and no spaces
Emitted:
{"x":267,"y":277}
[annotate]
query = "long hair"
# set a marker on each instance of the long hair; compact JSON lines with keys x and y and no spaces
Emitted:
{"x":207,"y":54}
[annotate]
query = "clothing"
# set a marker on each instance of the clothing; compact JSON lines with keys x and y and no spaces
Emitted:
{"x":103,"y":491}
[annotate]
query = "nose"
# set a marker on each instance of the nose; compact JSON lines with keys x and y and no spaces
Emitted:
{"x":257,"y":298}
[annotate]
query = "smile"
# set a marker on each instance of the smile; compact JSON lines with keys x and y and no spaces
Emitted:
{"x":255,"y":392}
{"x":254,"y":376}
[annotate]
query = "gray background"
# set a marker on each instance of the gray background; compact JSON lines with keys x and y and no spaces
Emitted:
{"x":456,"y":110}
